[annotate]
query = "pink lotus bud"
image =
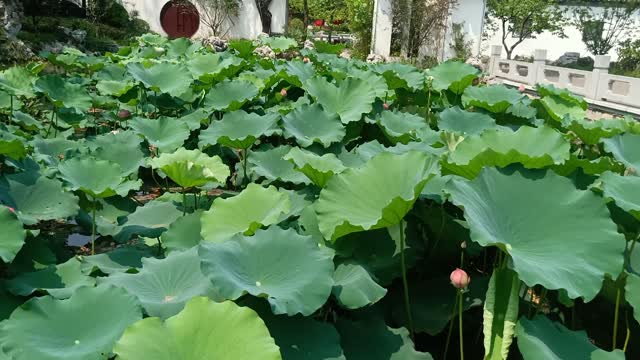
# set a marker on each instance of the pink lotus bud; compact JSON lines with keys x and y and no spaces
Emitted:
{"x":385,"y":106}
{"x":124,"y":114}
{"x":11,"y":209}
{"x":459,"y":279}
{"x":283,"y":92}
{"x":521,"y":88}
{"x":306,"y":60}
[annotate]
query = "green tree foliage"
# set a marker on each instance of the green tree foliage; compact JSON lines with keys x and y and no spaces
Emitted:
{"x":603,"y":27}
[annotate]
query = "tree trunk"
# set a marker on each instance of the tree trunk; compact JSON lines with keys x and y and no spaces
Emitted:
{"x":265,"y":15}
{"x":306,"y":13}
{"x":509,"y":52}
{"x":405,"y":47}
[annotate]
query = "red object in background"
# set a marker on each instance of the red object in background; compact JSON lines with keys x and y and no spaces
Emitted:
{"x":180,"y":19}
{"x":318,"y":22}
{"x":337,"y":22}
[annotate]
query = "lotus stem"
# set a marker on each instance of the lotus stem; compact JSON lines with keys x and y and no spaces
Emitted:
{"x":626,"y":339}
{"x":616,"y":317}
{"x":460,"y":323}
{"x":453,"y":316}
{"x":184,"y":202}
{"x":244,"y":165}
{"x":10,"y":109}
{"x":195,"y":201}
{"x":93,"y":228}
{"x":405,"y":283}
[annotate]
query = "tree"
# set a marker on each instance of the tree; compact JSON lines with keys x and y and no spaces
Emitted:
{"x":523,"y":19}
{"x":265,"y":15}
{"x":427,"y":21}
{"x":603,"y":27}
{"x":218,"y":15}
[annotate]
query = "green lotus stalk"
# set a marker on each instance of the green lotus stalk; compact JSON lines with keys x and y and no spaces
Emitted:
{"x":244,"y":165}
{"x":405,"y":283}
{"x":184,"y":202}
{"x":93,"y":227}
{"x":460,"y":280}
{"x":453,"y":316}
{"x":10,"y":109}
{"x":616,"y":317}
{"x":626,"y":339}
{"x":460,"y":324}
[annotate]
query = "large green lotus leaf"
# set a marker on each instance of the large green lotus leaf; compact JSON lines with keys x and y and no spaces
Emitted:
{"x":376,"y":195}
{"x":299,"y":337}
{"x":114,"y":88}
{"x":271,"y":165}
{"x":5,"y":101}
{"x":589,"y":167}
{"x":400,"y":75}
{"x":592,"y":131}
{"x":12,"y":145}
{"x":196,"y":118}
{"x":64,"y":93}
{"x":150,"y":220}
{"x":237,"y":129}
{"x":279,"y":43}
{"x":494,"y":98}
{"x":230,"y":95}
{"x":49,"y":150}
{"x":17,"y":81}
{"x":560,"y":109}
{"x":184,"y":233}
{"x":632,"y":294}
{"x":310,"y":123}
{"x":13,"y":234}
{"x":26,"y":120}
{"x":626,"y":149}
{"x":349,"y":100}
{"x":167,"y":134}
{"x":319,"y":169}
{"x":372,"y":339}
{"x":191,"y":168}
{"x":37,"y":198}
{"x":623,"y":190}
{"x":354,"y":288}
{"x":203,"y":330}
{"x":401,"y":127}
{"x":58,"y":281}
{"x":261,"y":265}
{"x":550,"y":90}
{"x":209,"y":67}
{"x":500,"y":313}
{"x":108,"y":212}
{"x":83,"y":327}
{"x":122,"y":148}
{"x":8,"y":303}
{"x":532,"y":147}
{"x":246,"y":212}
{"x":164,"y":286}
{"x":377,"y":82}
{"x":98,"y":178}
{"x":172,"y":79}
{"x":558,"y":219}
{"x":369,"y":150}
{"x":433,"y":303}
{"x":453,"y":75}
{"x":456,"y":120}
{"x":112,"y":262}
{"x":296,"y":72}
{"x":542,"y":339}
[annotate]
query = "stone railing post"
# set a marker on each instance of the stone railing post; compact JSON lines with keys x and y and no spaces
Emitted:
{"x":600,"y":66}
{"x":496,"y":51}
{"x":539,"y":62}
{"x":382,"y":26}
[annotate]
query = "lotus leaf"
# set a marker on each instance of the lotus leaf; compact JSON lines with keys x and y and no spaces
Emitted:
{"x":210,"y":67}
{"x":150,"y":220}
{"x":13,"y":234}
{"x":354,"y":288}
{"x":456,"y":120}
{"x":532,"y":147}
{"x":165,"y":133}
{"x":541,"y":339}
{"x":184,"y":233}
{"x":376,"y":195}
{"x":271,"y":165}
{"x":495,"y":98}
{"x":164,"y":286}
{"x":261,"y":265}
{"x":454,"y":76}
{"x":97,"y":178}
{"x":625,"y":148}
{"x":17,"y":81}
{"x":245,"y":213}
{"x":319,"y":169}
{"x":191,"y":168}
{"x":624,"y":191}
{"x":63,"y":93}
{"x":11,"y":145}
{"x":112,"y":262}
{"x":400,"y":76}
{"x":401,"y":127}
{"x":237,"y":129}
{"x":48,"y":329}
{"x":310,"y":123}
{"x":558,"y":219}
{"x":156,"y":79}
{"x":230,"y":95}
{"x":501,"y":313}
{"x":203,"y":330}
{"x":560,"y":109}
{"x":349,"y":100}
{"x":122,"y":148}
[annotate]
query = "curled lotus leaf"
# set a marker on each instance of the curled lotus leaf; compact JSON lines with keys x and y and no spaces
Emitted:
{"x":155,"y":77}
{"x":318,"y":168}
{"x":271,"y":165}
{"x":166,"y":134}
{"x":64,"y":93}
{"x":310,"y":124}
{"x":401,"y":127}
{"x":494,"y":98}
{"x":254,"y":207}
{"x":375,"y":195}
{"x":238,"y":129}
{"x":191,"y":168}
{"x":230,"y":95}
{"x":349,"y":100}
{"x":13,"y":234}
{"x":454,"y":76}
{"x":623,"y":190}
{"x":261,"y":265}
{"x":456,"y":120}
{"x":558,"y":219}
{"x":203,"y":330}
{"x":626,"y":149}
{"x":97,"y":178}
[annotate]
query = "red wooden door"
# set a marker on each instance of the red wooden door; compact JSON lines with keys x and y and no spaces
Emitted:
{"x":180,"y":19}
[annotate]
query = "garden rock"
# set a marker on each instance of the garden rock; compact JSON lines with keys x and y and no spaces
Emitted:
{"x":215,"y":43}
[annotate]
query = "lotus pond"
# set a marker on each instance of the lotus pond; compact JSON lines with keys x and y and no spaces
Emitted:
{"x":170,"y":202}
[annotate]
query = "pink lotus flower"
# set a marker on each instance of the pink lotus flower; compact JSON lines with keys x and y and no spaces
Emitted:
{"x":124,"y":114}
{"x":11,"y":209}
{"x":521,"y":88}
{"x":306,"y":60}
{"x":283,"y":92}
{"x":385,"y":106}
{"x":460,"y":279}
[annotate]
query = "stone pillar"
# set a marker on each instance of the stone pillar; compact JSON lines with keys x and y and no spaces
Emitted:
{"x":496,"y":52}
{"x":539,"y":62}
{"x":382,"y":26}
{"x":600,"y":67}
